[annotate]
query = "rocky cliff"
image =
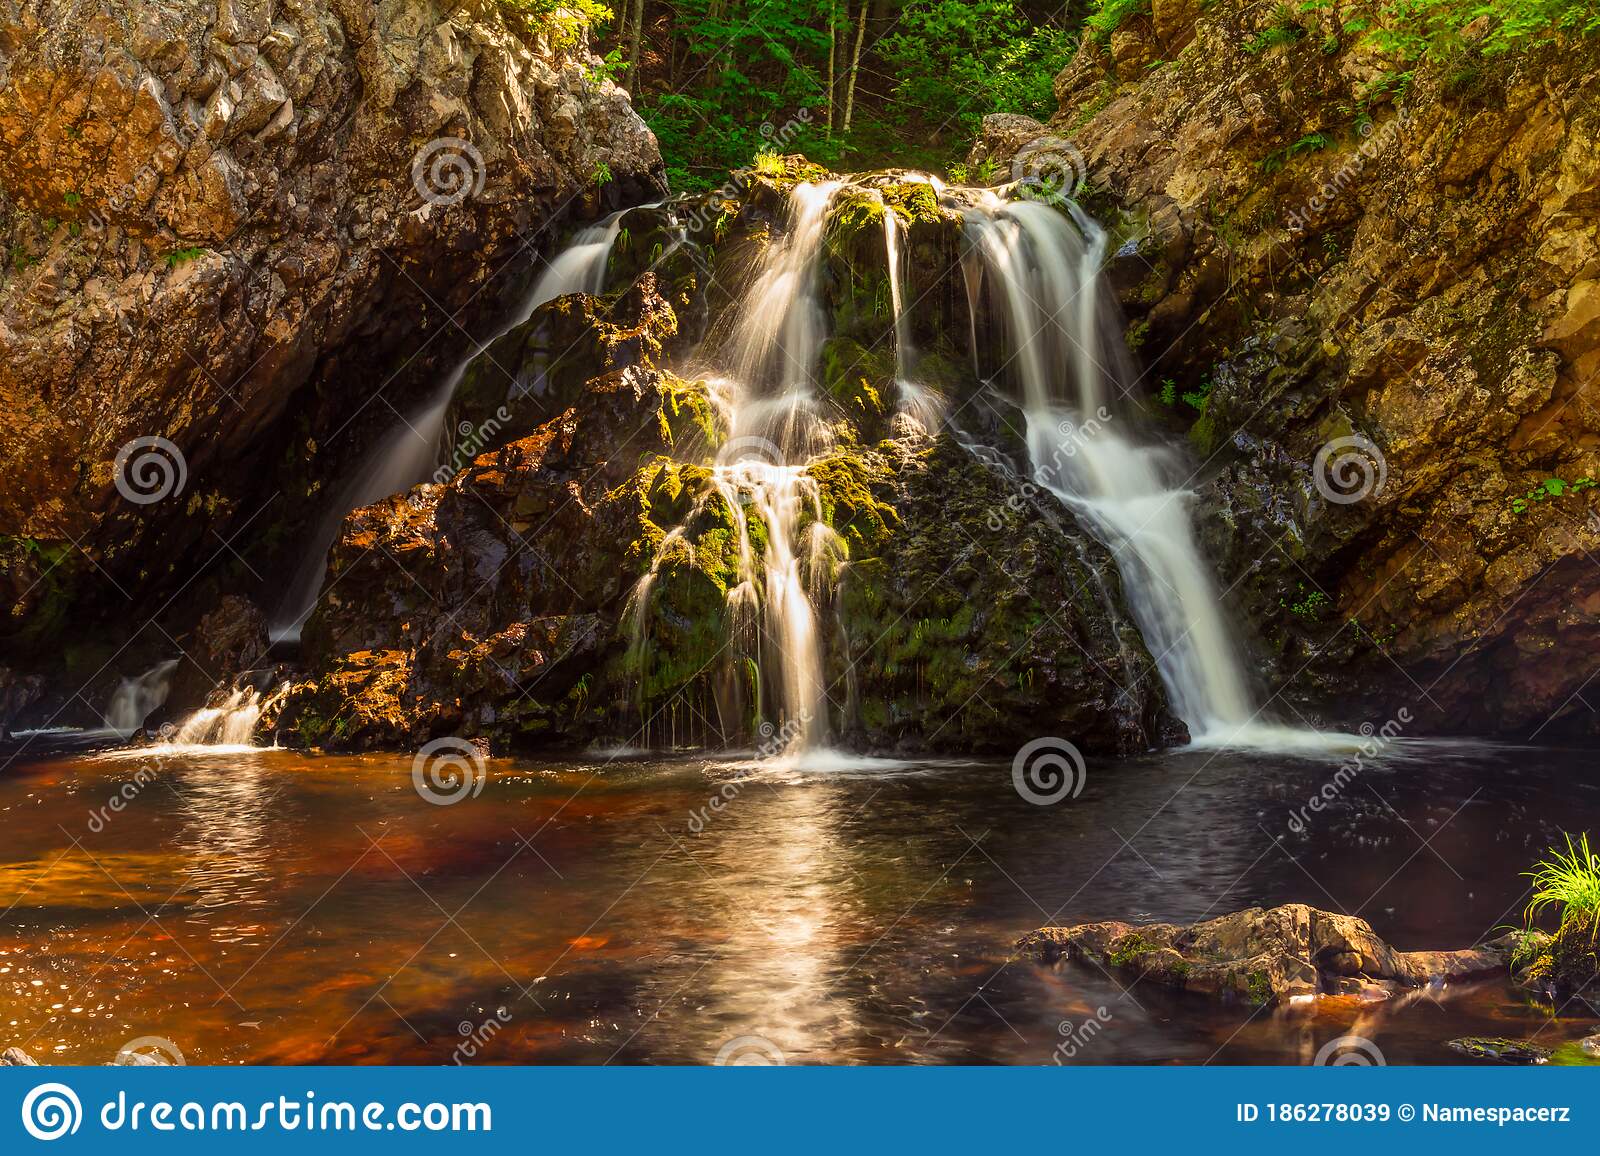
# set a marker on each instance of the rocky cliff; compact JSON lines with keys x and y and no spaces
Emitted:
{"x":1368,"y":291}
{"x":572,"y":584}
{"x":254,"y":231}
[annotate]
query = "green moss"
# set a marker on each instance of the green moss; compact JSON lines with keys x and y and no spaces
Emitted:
{"x":913,"y":201}
{"x":844,"y":481}
{"x":1130,"y":947}
{"x":1258,"y":988}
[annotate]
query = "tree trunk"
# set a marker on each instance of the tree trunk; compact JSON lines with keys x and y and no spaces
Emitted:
{"x":833,"y":52}
{"x":633,"y":44}
{"x":855,"y":67}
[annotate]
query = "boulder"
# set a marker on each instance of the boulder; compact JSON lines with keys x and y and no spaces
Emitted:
{"x":1265,"y":955}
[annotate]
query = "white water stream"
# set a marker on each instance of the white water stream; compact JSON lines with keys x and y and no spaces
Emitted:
{"x":408,"y":453}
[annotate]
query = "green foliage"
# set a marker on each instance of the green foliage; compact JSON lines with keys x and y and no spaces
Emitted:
{"x":563,"y":22}
{"x":1415,"y":30}
{"x":1310,"y":606}
{"x":1550,"y":488}
{"x":747,"y":77}
{"x":974,"y":57}
{"x":602,"y":175}
{"x":183,"y":255}
{"x":1568,"y":881}
{"x":1310,"y":143}
{"x":1109,"y":15}
{"x":1284,"y":29}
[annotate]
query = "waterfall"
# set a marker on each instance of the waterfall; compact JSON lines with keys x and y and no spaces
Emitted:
{"x":408,"y":453}
{"x":229,"y":725}
{"x":135,"y":698}
{"x":916,"y":401}
{"x":1041,"y":272}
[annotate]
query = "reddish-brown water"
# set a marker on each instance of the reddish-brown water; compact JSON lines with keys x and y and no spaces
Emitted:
{"x":278,"y":908}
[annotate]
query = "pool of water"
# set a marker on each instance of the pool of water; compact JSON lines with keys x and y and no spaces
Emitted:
{"x":274,"y":907}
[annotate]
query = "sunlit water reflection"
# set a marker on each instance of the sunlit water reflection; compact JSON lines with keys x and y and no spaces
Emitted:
{"x":273,"y":907}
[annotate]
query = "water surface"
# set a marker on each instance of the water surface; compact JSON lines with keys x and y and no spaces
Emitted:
{"x":274,"y":907}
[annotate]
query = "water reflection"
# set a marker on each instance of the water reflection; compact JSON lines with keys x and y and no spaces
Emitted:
{"x":271,"y":907}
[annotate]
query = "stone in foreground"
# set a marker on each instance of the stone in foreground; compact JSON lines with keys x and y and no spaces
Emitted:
{"x":1265,"y":955}
{"x":1501,"y":1051}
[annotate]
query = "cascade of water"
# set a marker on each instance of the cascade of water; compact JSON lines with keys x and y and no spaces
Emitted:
{"x":1042,"y":273}
{"x":407,"y":454}
{"x":135,"y":698}
{"x":231,"y":723}
{"x":915,"y":400}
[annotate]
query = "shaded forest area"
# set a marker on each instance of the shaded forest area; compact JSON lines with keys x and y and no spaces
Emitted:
{"x":852,"y":84}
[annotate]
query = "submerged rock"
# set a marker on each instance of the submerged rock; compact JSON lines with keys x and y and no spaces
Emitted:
{"x":1265,"y":955}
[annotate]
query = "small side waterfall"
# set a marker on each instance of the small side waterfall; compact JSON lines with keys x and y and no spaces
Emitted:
{"x":408,"y":453}
{"x":230,"y":724}
{"x":1041,"y":271}
{"x":915,"y":400}
{"x":135,"y":698}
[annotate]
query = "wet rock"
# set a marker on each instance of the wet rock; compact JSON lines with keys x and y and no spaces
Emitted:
{"x":1002,"y":137}
{"x":233,"y":234}
{"x":1590,"y":1045}
{"x":1265,"y":955}
{"x":17,"y":1058}
{"x":1501,"y":1050}
{"x":1420,"y":276}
